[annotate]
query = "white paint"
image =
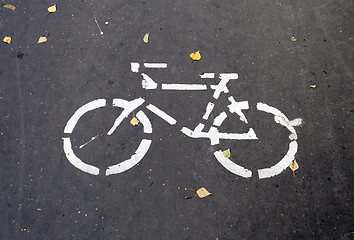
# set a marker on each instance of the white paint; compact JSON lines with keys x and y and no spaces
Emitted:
{"x":98,"y":25}
{"x":208,"y":110}
{"x":128,"y":106}
{"x":92,"y":139}
{"x":221,"y":87}
{"x":214,"y":135}
{"x":284,"y":122}
{"x":74,"y":160}
{"x":147,"y":82}
{"x":231,"y":166}
{"x":131,"y":162}
{"x":134,"y":67}
{"x":282,"y":164}
{"x":161,"y":114}
{"x":184,"y":87}
{"x":155,"y":65}
{"x":207,"y":75}
{"x":81,"y":111}
{"x":144,"y":121}
{"x":237,"y":107}
{"x":220,"y":119}
{"x":281,"y":119}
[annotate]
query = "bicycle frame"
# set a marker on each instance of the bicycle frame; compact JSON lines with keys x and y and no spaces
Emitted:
{"x":213,"y":134}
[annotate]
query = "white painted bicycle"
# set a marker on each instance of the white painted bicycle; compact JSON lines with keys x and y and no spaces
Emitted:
{"x":213,"y":134}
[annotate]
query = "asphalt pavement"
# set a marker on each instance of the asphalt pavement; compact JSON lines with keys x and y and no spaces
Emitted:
{"x":70,"y":179}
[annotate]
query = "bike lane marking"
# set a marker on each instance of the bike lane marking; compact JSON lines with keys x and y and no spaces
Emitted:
{"x":231,"y":166}
{"x":131,"y":162}
{"x":74,"y":160}
{"x":155,"y":65}
{"x":281,"y":165}
{"x":147,"y":82}
{"x":207,"y":75}
{"x":69,"y":127}
{"x":183,"y":87}
{"x":220,"y":119}
{"x":161,"y":114}
{"x":208,"y":110}
{"x":128,"y":107}
{"x":237,"y":107}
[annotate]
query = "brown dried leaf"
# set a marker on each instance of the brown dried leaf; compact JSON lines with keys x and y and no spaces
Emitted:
{"x":202,"y":192}
{"x":9,"y":6}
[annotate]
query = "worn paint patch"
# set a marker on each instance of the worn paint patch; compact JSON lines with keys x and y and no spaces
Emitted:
{"x":147,"y":82}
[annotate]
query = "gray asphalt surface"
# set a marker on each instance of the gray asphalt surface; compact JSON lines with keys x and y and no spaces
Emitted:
{"x":43,"y":196}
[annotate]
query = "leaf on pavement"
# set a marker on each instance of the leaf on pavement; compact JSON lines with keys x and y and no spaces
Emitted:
{"x":134,"y":121}
{"x":294,"y":166}
{"x":195,"y":56}
{"x":52,"y":9}
{"x":146,"y":38}
{"x":313,"y":86}
{"x":42,"y":39}
{"x":202,"y":193}
{"x":9,"y":6}
{"x":7,"y":40}
{"x":227,"y":153}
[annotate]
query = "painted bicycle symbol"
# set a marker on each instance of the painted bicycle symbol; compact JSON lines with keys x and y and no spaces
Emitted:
{"x":213,"y":134}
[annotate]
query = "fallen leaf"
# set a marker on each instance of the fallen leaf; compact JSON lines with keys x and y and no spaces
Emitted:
{"x":227,"y":153}
{"x":42,"y":39}
{"x":134,"y":121}
{"x":7,"y":40}
{"x":294,"y":166}
{"x":195,"y":56}
{"x":313,"y":86}
{"x":293,"y":39}
{"x":202,"y":193}
{"x":146,"y":38}
{"x":52,"y":9}
{"x":9,"y":6}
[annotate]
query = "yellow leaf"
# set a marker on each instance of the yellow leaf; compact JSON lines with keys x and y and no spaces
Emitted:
{"x":42,"y":39}
{"x":313,"y":86}
{"x":293,"y":39}
{"x":195,"y":56}
{"x":134,"y":121}
{"x":294,"y":166}
{"x":52,"y":9}
{"x":202,"y":193}
{"x":7,"y":40}
{"x":9,"y":6}
{"x":146,"y":38}
{"x":227,"y":153}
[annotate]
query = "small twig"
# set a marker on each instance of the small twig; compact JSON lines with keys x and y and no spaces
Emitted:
{"x":97,"y":24}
